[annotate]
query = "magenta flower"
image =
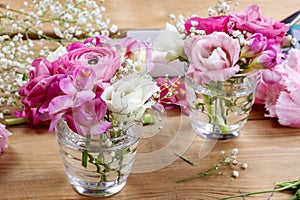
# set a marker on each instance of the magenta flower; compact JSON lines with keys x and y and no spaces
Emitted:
{"x":268,"y":58}
{"x":251,"y":20}
{"x":4,"y":134}
{"x":209,"y":25}
{"x":172,"y":93}
{"x":258,"y":43}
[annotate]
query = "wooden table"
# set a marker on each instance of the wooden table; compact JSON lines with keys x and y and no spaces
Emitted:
{"x":31,"y":167}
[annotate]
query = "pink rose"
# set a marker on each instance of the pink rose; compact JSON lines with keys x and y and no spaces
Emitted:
{"x":37,"y":94}
{"x":40,"y":67}
{"x":250,"y":19}
{"x":104,"y":61}
{"x":212,"y":57}
{"x":209,"y":25}
{"x":4,"y":133}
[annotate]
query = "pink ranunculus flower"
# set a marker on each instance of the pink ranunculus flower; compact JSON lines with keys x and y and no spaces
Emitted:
{"x":251,"y":20}
{"x":209,"y":25}
{"x":4,"y":133}
{"x":104,"y":61}
{"x":212,"y":57}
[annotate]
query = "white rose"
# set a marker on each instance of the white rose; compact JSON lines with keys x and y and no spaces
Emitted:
{"x":168,"y":45}
{"x":129,"y":97}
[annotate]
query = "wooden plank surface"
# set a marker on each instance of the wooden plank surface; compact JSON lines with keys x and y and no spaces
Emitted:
{"x":31,"y":167}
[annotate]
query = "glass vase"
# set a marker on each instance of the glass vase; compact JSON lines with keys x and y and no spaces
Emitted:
{"x":220,"y":109}
{"x":99,"y":165}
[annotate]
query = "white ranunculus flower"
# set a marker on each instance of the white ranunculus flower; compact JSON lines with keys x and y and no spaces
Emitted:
{"x":168,"y":45}
{"x":129,"y":97}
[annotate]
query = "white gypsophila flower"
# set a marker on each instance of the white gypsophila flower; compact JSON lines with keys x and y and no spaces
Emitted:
{"x":235,"y":174}
{"x":17,"y":54}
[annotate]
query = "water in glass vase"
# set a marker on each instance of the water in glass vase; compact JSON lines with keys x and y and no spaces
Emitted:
{"x":98,"y":165}
{"x":220,"y":109}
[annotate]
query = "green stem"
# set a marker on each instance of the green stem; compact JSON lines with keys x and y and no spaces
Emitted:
{"x":204,"y":173}
{"x":184,"y":158}
{"x":16,"y":121}
{"x":263,"y":191}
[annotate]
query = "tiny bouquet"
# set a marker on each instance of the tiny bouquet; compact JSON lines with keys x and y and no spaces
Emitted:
{"x":218,"y":49}
{"x":99,"y":75}
{"x":94,"y":86}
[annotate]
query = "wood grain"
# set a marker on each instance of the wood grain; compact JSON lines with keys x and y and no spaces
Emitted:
{"x":31,"y":167}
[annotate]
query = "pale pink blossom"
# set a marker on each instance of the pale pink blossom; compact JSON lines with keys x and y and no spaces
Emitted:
{"x":288,"y":109}
{"x":212,"y":57}
{"x":294,"y":59}
{"x":279,"y":90}
{"x":4,"y":134}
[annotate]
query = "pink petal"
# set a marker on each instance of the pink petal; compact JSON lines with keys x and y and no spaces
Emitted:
{"x":59,"y":104}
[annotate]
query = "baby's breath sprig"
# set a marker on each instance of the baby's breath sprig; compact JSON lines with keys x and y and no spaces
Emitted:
{"x":222,"y":7}
{"x":217,"y":169}
{"x":36,"y":29}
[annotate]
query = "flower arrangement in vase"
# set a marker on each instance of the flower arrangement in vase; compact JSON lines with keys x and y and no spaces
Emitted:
{"x":94,"y":94}
{"x":224,"y":57}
